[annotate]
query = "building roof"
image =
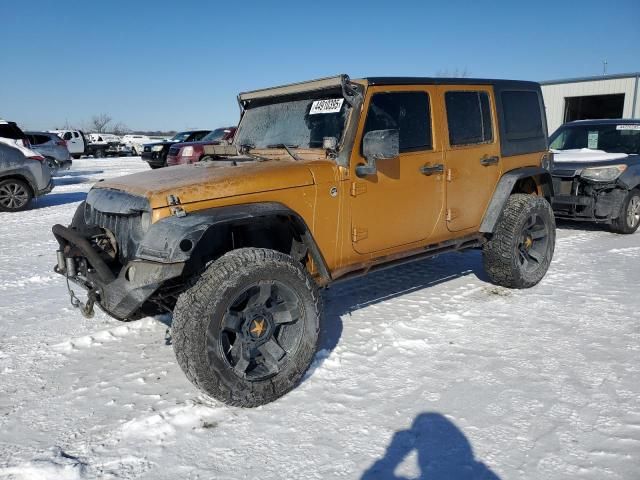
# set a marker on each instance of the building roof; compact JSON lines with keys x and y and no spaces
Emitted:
{"x":591,"y":79}
{"x":606,"y":121}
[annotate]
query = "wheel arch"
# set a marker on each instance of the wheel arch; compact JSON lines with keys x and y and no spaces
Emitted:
{"x":23,"y":177}
{"x":203,"y":236}
{"x":519,"y":180}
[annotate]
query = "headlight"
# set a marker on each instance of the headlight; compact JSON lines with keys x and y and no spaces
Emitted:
{"x":157,"y":148}
{"x":186,"y":152}
{"x":603,"y":174}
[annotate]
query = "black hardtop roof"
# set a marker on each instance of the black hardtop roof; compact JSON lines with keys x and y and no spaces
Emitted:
{"x":450,"y":81}
{"x":604,"y":121}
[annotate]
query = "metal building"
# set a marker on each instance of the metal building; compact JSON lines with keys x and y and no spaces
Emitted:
{"x":605,"y":96}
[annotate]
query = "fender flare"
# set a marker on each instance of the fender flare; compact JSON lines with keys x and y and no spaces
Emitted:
{"x":630,"y":178}
{"x":163,"y":242}
{"x":23,"y":174}
{"x":505,"y":187}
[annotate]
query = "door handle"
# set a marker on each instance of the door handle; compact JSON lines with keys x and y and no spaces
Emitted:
{"x":431,"y":169}
{"x":486,"y":161}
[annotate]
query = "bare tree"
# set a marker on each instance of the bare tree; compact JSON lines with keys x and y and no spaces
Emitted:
{"x":100,"y":122}
{"x":120,"y":129}
{"x":456,"y":73}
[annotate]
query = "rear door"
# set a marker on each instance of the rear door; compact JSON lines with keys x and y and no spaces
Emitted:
{"x":473,"y":163}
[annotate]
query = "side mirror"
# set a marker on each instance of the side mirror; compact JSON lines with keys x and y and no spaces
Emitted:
{"x":378,"y":145}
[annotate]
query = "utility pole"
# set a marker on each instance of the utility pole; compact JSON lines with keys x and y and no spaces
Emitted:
{"x":604,"y":67}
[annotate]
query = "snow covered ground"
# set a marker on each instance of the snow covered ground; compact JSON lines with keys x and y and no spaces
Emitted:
{"x":425,"y":371}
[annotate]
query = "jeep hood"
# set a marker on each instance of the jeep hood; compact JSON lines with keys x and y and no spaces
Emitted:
{"x":210,"y":181}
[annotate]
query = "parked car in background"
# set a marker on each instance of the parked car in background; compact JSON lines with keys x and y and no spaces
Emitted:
{"x":103,"y":145}
{"x":596,"y":172}
{"x":51,"y":147}
{"x":24,"y":174}
{"x":135,"y":142}
{"x":192,"y":152}
{"x":155,"y":154}
{"x":11,"y":131}
{"x":76,"y":141}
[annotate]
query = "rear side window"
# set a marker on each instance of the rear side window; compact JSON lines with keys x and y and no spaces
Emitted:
{"x":522,"y":115}
{"x":38,"y":139}
{"x":468,"y":117}
{"x":10,"y":130}
{"x":407,"y":112}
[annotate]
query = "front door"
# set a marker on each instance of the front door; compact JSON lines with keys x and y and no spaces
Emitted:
{"x":472,"y":154}
{"x":403,"y":201}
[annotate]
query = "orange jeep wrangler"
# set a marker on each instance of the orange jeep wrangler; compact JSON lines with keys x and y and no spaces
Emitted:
{"x":325,"y":180}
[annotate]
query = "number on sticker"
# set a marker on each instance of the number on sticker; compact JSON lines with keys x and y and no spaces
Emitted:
{"x":628,"y":127}
{"x":331,"y":105}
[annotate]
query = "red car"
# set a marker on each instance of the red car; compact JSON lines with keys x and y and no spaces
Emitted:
{"x":192,"y":152}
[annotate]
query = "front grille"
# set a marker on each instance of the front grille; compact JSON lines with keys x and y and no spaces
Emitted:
{"x":121,"y":214}
{"x":147,"y":149}
{"x":126,"y":228}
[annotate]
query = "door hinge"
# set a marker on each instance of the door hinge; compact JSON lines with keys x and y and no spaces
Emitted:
{"x":358,"y":188}
{"x":452,"y":214}
{"x":358,"y":234}
{"x":449,"y":175}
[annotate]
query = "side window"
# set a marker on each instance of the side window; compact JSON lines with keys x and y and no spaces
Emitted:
{"x":522,"y":116}
{"x":67,"y":136}
{"x":75,"y":134}
{"x":407,"y":112}
{"x":468,"y":117}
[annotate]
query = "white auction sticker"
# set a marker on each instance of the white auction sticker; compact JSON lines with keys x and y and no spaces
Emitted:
{"x":331,"y":105}
{"x":628,"y":127}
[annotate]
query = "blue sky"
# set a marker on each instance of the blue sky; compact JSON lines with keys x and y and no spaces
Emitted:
{"x":176,"y":65}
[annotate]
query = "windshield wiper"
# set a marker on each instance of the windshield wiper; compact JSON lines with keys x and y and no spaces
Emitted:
{"x":287,"y":148}
{"x":245,"y":150}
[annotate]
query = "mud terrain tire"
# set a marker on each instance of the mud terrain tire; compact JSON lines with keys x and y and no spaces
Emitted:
{"x":519,"y":253}
{"x":225,"y":325}
{"x":628,"y":220}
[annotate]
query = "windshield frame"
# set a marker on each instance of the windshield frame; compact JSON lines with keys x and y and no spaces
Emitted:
{"x":312,"y":95}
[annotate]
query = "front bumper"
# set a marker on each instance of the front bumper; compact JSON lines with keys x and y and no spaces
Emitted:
{"x":578,"y":199}
{"x":46,"y":189}
{"x":155,"y":159}
{"x":171,"y":160}
{"x":120,"y":290}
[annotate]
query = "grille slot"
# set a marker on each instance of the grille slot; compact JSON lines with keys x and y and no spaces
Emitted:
{"x":126,"y":228}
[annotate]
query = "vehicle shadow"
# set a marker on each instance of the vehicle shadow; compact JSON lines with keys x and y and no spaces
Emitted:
{"x":346,"y":297}
{"x":443,"y":451}
{"x":54,"y":199}
{"x":74,"y":180}
{"x":583,"y":226}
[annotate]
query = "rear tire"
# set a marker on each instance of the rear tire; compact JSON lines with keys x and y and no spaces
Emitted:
{"x":247,"y":331}
{"x":519,"y":253}
{"x":15,"y":195}
{"x":628,"y":219}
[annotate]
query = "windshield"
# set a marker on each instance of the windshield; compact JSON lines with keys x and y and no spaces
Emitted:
{"x":611,"y":138}
{"x":295,"y":123}
{"x":181,"y":137}
{"x":217,"y":134}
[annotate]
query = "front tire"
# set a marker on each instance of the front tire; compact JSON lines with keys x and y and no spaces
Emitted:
{"x":519,"y":253}
{"x":628,"y":219}
{"x":247,"y":331}
{"x":15,"y":195}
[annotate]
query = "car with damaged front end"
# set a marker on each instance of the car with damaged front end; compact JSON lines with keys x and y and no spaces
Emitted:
{"x":325,"y":180}
{"x":596,"y":172}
